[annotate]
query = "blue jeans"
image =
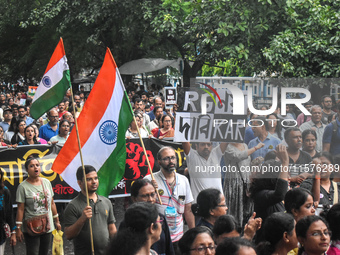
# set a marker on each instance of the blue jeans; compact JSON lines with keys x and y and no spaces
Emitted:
{"x":38,"y":245}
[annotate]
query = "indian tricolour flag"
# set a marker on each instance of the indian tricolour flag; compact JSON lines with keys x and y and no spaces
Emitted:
{"x":54,"y":84}
{"x":102,"y":124}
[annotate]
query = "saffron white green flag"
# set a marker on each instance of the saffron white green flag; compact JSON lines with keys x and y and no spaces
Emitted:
{"x":54,"y":84}
{"x":102,"y":124}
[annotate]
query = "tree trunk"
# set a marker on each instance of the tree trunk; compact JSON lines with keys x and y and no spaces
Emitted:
{"x":190,"y":72}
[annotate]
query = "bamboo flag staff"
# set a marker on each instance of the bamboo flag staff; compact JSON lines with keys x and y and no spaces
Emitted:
{"x":144,"y":150}
{"x":82,"y":164}
{"x":146,"y":156}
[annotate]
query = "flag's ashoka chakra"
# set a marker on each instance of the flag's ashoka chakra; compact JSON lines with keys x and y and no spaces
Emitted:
{"x":46,"y":81}
{"x":108,"y":132}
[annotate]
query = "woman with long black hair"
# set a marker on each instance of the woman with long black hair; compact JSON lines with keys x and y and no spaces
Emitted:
{"x":143,"y":228}
{"x":314,"y":235}
{"x":279,"y":235}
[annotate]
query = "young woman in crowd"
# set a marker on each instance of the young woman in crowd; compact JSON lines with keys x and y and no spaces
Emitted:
{"x":309,"y":143}
{"x":274,"y":128}
{"x":235,"y":246}
{"x":10,"y":131}
{"x":324,"y":190}
{"x":143,"y":229}
{"x":6,"y":215}
{"x":19,"y":134}
{"x":299,"y":202}
{"x":61,"y":137}
{"x":269,"y":189}
{"x":142,"y":190}
{"x":30,"y":137}
{"x":196,"y":241}
{"x":30,"y":206}
{"x":36,"y":131}
{"x":210,"y":205}
{"x":333,"y":218}
{"x":279,"y":235}
{"x":313,"y":235}
{"x":166,"y":130}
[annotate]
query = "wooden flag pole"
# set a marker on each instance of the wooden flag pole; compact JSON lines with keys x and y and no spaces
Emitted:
{"x":142,"y":143}
{"x":82,"y":164}
{"x":147,"y":158}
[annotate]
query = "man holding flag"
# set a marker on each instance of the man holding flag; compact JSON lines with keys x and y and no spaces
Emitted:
{"x":98,"y":139}
{"x":77,"y":216}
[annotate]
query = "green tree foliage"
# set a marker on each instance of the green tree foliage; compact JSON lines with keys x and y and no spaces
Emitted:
{"x":213,"y":31}
{"x":310,"y":43}
{"x":295,"y":37}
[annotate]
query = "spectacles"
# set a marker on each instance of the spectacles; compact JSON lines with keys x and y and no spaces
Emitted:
{"x":203,"y":249}
{"x":65,"y":126}
{"x":221,"y":205}
{"x":151,"y":195}
{"x":160,"y":220}
{"x":319,"y":234}
{"x":167,"y":159}
{"x":54,"y":117}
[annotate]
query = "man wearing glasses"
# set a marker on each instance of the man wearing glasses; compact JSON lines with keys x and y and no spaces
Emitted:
{"x":22,"y":110}
{"x":175,"y":194}
{"x":50,"y":129}
{"x":204,"y":166}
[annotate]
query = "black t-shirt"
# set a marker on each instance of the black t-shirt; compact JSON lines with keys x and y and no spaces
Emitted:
{"x":325,"y":197}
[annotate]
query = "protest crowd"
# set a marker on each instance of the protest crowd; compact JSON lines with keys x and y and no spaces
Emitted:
{"x":294,"y":210}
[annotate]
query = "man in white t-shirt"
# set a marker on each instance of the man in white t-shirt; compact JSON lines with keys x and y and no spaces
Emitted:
{"x":204,"y":166}
{"x":175,"y":194}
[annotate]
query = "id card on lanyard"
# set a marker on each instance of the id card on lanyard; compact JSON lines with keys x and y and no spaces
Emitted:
{"x":170,"y":212}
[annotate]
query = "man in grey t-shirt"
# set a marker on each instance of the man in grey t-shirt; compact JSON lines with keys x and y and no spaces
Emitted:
{"x":100,"y":212}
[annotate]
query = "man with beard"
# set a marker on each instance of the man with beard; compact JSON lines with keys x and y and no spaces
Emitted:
{"x":327,"y":113}
{"x":140,"y":107}
{"x":50,"y":129}
{"x":22,"y":110}
{"x":203,"y":163}
{"x":100,"y":212}
{"x":298,"y":159}
{"x":158,"y":112}
{"x":175,"y":193}
{"x":77,"y":101}
{"x":61,"y":109}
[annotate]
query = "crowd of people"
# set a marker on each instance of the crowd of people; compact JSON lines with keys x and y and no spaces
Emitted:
{"x":246,"y":208}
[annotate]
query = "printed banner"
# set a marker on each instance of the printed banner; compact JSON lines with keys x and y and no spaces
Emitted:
{"x":13,"y":160}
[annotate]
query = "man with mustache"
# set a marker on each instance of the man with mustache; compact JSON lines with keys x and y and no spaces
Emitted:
{"x":298,"y":159}
{"x":175,"y":193}
{"x":100,"y":211}
{"x":204,"y":166}
{"x":50,"y":129}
